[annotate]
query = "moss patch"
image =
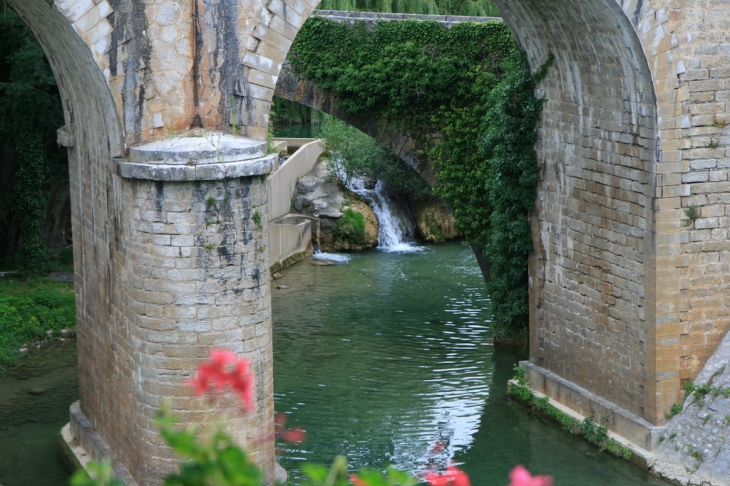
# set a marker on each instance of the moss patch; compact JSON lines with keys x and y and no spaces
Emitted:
{"x":288,"y":262}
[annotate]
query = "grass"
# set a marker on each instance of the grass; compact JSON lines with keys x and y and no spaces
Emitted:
{"x":351,"y":227}
{"x":28,"y":309}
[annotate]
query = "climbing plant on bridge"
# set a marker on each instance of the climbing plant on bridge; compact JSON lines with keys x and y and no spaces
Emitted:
{"x":470,"y":88}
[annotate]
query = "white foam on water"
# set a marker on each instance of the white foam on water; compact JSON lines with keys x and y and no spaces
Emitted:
{"x":333,"y":257}
{"x":402,"y":248}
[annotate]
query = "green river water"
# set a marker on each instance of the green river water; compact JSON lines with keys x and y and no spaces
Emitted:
{"x":384,"y":356}
{"x":379,"y":359}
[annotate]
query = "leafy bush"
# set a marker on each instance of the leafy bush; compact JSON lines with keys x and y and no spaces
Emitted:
{"x":30,"y":113}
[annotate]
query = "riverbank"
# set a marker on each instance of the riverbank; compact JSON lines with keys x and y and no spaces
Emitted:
{"x":33,"y":314}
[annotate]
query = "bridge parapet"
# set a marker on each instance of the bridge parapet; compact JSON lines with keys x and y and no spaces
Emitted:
{"x":371,"y":17}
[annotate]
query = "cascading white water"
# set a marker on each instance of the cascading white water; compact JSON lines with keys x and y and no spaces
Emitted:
{"x":395,"y":225}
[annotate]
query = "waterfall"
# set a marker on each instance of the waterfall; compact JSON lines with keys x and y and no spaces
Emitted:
{"x":395,"y":225}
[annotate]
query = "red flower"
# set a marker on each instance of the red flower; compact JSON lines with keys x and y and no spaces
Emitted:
{"x":522,"y":477}
{"x":225,"y":369}
{"x":452,"y":477}
{"x":293,"y":436}
{"x":357,"y":481}
{"x":437,"y":447}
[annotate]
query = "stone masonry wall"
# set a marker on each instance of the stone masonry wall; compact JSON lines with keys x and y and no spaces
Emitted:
{"x":593,"y":228}
{"x":198,"y":279}
{"x":699,"y":36}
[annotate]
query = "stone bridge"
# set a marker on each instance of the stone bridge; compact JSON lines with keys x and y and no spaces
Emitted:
{"x":306,"y":92}
{"x":629,"y":278}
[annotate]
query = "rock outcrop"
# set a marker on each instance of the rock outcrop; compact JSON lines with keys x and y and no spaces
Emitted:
{"x":695,"y":446}
{"x":346,"y":222}
{"x":435,"y":221}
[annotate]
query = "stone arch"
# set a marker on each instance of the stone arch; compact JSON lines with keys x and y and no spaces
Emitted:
{"x":598,"y":153}
{"x":94,"y":136}
{"x":306,"y":92}
{"x":591,"y":303}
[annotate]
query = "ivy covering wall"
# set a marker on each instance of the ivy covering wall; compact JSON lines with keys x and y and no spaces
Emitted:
{"x":466,"y":95}
{"x":30,"y":114}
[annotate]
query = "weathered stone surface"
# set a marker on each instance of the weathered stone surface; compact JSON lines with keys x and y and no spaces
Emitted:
{"x":435,"y":221}
{"x":695,"y":444}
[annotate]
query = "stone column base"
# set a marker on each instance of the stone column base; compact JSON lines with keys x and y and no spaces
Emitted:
{"x":623,"y":423}
{"x":83,"y":444}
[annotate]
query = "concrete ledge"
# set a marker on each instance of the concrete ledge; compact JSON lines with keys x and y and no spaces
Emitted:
{"x":208,"y":172}
{"x":86,"y":445}
{"x":290,"y":236}
{"x":640,"y":456}
{"x":294,"y":143}
{"x":624,"y":424}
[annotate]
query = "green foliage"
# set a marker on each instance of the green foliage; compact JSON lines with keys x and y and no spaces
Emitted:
{"x":285,"y":112}
{"x":337,"y":475}
{"x":692,"y":213}
{"x":30,"y":113}
{"x":511,"y":133}
{"x":216,"y":461}
{"x":470,"y":85}
{"x":256,"y":218}
{"x":350,"y":227}
{"x":701,"y":390}
{"x":27,"y":311}
{"x":354,"y":154}
{"x":400,"y":71}
{"x":592,"y":431}
{"x":520,"y":374}
{"x":676,"y":408}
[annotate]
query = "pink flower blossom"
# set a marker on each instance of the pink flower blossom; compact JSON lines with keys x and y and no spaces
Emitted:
{"x":522,"y":477}
{"x":357,"y":481}
{"x":293,"y":436}
{"x":452,"y":477}
{"x":225,"y":369}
